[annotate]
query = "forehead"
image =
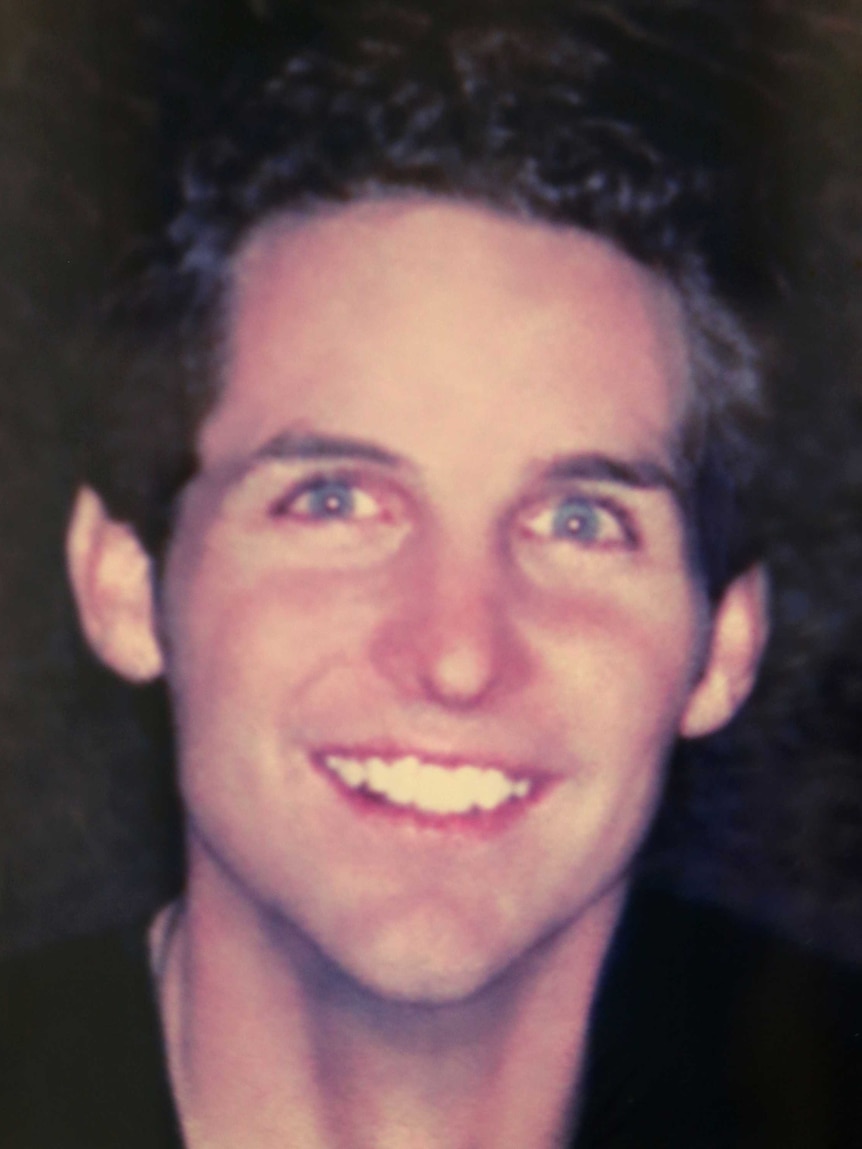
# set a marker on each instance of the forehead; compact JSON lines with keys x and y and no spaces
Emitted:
{"x":428,"y":322}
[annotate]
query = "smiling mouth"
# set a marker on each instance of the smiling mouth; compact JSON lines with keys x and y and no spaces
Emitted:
{"x":430,"y":788}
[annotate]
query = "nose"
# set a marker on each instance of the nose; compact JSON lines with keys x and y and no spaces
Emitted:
{"x":450,"y":640}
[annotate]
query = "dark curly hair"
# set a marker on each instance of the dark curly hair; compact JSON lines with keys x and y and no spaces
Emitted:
{"x":577,"y":120}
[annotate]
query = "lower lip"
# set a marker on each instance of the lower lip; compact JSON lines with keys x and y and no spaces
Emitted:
{"x":473,"y":822}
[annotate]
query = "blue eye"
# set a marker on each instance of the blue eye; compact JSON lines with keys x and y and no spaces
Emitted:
{"x":589,"y":521}
{"x":577,"y":519}
{"x":329,"y":500}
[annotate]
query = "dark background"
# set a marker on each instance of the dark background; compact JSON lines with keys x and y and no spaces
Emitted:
{"x":94,"y":99}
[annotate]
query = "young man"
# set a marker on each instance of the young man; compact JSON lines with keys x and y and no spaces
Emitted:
{"x":424,"y":496}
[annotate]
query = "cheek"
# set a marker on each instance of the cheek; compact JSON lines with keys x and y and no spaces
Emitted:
{"x":634,"y":656}
{"x":250,"y":636}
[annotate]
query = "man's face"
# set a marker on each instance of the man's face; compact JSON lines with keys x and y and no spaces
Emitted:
{"x":428,"y":621}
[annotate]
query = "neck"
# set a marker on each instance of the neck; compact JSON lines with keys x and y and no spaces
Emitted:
{"x":269,"y":1043}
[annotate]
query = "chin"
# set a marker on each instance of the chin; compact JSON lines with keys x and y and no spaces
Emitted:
{"x":431,"y":966}
{"x":425,"y":983}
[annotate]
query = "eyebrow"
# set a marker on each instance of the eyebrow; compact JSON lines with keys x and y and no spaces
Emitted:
{"x":641,"y":474}
{"x":290,"y":445}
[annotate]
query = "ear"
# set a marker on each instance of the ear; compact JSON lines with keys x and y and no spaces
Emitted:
{"x":111,"y":576}
{"x":740,"y":629}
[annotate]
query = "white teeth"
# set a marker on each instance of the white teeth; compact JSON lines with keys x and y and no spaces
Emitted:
{"x":432,"y":790}
{"x":495,"y":788}
{"x":348,"y":770}
{"x":426,"y":786}
{"x":378,"y":775}
{"x":404,"y":782}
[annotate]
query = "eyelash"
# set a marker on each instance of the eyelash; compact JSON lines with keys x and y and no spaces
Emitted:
{"x":621,"y":515}
{"x":317,"y":481}
{"x":356,"y":483}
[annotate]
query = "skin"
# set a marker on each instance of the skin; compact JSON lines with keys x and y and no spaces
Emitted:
{"x":381,"y":552}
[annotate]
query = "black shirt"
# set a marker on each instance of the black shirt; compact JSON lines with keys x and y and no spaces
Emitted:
{"x":705,"y":1034}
